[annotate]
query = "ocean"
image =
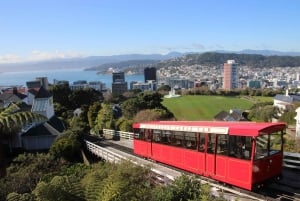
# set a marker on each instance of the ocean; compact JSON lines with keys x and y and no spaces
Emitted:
{"x":71,"y":75}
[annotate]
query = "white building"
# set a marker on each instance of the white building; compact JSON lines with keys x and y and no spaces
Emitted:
{"x":298,"y":122}
{"x":43,"y":103}
{"x":282,"y":101}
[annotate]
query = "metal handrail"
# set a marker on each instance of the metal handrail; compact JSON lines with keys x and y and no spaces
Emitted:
{"x":121,"y":134}
{"x":291,"y":160}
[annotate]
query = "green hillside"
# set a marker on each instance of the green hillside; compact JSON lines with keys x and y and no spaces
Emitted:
{"x":204,"y":107}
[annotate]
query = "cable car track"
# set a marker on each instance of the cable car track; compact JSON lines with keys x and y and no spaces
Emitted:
{"x":269,"y":192}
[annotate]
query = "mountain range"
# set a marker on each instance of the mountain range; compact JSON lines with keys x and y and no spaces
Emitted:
{"x":94,"y":61}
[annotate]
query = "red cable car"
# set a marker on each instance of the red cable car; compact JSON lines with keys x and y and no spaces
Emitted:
{"x":242,"y":154}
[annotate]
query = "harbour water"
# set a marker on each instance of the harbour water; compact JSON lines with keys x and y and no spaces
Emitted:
{"x":71,"y":75}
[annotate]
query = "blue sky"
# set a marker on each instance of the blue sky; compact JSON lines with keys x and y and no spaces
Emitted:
{"x":45,"y":29}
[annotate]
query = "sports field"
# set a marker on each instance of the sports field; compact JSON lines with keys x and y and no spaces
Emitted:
{"x":204,"y":107}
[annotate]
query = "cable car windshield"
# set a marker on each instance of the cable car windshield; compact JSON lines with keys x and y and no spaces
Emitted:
{"x":267,"y":145}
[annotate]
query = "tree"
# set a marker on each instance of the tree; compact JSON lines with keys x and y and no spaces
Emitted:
{"x":123,"y":124}
{"x":264,"y":113}
{"x":105,"y":118}
{"x":183,"y":188}
{"x":93,"y":112}
{"x":84,"y":97}
{"x":20,"y":197}
{"x":27,"y":170}
{"x":164,"y":88}
{"x":66,"y":146}
{"x":130,"y":107}
{"x":12,"y":121}
{"x":118,"y":182}
{"x":66,"y":188}
{"x":151,"y":115}
{"x":61,"y":94}
{"x":145,"y":100}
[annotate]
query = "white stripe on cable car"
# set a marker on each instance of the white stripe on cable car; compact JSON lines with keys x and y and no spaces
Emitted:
{"x":200,"y":129}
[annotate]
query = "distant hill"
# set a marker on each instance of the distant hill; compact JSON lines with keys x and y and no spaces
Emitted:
{"x":263,"y":52}
{"x":135,"y":65}
{"x":83,"y":63}
{"x":214,"y":58}
{"x":247,"y":57}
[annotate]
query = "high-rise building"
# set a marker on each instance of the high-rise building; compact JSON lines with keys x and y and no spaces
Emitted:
{"x":119,"y":86}
{"x":230,"y":80}
{"x":118,"y":77}
{"x":150,"y":74}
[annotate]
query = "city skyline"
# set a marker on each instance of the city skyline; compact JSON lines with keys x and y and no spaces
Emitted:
{"x":39,"y":30}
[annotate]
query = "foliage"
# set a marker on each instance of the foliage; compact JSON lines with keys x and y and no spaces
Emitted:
{"x":93,"y":112}
{"x":20,"y":197}
{"x":66,"y":146}
{"x":123,"y":124}
{"x":183,"y":188}
{"x":61,"y":94}
{"x":124,"y":181}
{"x":145,"y":100}
{"x":105,"y":181}
{"x":264,"y":113}
{"x":84,"y":97}
{"x":164,"y":88}
{"x":288,"y":117}
{"x":130,"y":107}
{"x":66,"y":188}
{"x":289,"y":114}
{"x":105,"y":118}
{"x":27,"y":170}
{"x":66,"y":100}
{"x":290,"y":145}
{"x":151,"y":115}
{"x":12,"y":120}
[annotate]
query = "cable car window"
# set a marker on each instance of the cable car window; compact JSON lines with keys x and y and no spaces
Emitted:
{"x":139,"y":134}
{"x":275,"y":143}
{"x":211,"y":143}
{"x":157,"y":136}
{"x":167,"y":137}
{"x":261,"y":149}
{"x":240,"y":147}
{"x":222,"y":147}
{"x":202,"y":142}
{"x":178,"y":139}
{"x":190,"y":140}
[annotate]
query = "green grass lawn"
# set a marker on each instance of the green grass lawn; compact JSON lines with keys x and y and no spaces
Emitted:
{"x":204,"y":107}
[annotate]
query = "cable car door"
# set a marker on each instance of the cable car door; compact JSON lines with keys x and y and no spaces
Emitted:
{"x":210,"y":155}
{"x":149,"y":143}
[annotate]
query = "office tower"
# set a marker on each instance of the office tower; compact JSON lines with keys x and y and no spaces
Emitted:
{"x":230,"y":80}
{"x":150,"y":74}
{"x":119,"y":86}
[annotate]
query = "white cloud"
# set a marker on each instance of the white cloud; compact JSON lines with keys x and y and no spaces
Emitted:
{"x":9,"y":58}
{"x":37,"y":55}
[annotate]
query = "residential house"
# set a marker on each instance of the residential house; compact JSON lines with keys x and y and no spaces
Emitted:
{"x":11,"y":96}
{"x":40,"y":135}
{"x":283,"y":101}
{"x":232,"y":115}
